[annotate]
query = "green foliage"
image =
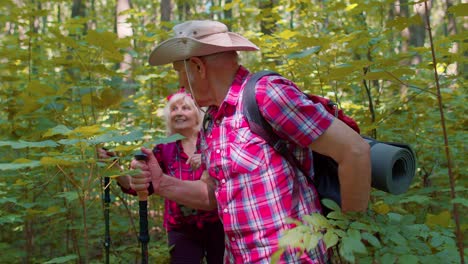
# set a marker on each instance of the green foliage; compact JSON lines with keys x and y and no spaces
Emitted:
{"x":377,"y":236}
{"x":64,"y":93}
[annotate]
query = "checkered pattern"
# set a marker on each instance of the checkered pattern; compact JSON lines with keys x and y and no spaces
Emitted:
{"x":257,"y":190}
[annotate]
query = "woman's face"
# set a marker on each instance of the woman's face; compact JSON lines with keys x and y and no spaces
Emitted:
{"x":182,"y":117}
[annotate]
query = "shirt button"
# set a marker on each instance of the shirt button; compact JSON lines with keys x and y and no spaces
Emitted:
{"x":225,"y":210}
{"x":218,"y":151}
{"x":218,"y":122}
{"x":233,"y":239}
{"x":223,"y":181}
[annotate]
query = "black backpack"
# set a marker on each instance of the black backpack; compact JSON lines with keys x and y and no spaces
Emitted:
{"x":326,"y":170}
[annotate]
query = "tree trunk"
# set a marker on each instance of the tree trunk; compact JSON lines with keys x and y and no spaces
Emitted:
{"x":402,"y":10}
{"x":183,"y":9}
{"x":267,"y":24}
{"x":451,"y":29}
{"x":228,"y":14}
{"x":418,"y":32}
{"x":124,"y":30}
{"x":166,"y":10}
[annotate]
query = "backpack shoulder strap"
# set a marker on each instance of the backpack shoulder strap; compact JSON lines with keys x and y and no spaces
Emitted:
{"x":257,"y":122}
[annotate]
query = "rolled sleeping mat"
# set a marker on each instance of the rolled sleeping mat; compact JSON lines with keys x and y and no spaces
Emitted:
{"x":393,"y":166}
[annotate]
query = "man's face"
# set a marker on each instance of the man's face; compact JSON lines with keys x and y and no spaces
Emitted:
{"x":199,"y":93}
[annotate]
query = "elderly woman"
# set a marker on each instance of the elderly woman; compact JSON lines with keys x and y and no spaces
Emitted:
{"x":193,"y":234}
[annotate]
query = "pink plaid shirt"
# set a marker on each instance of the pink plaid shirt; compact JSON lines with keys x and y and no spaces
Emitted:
{"x":257,"y":190}
{"x":173,"y":161}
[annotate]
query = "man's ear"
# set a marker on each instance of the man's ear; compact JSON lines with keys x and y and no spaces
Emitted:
{"x":200,"y":66}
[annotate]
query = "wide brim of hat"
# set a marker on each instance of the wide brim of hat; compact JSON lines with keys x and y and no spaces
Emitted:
{"x":181,"y":48}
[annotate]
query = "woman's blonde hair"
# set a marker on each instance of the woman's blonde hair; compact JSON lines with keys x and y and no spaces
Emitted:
{"x":177,"y":97}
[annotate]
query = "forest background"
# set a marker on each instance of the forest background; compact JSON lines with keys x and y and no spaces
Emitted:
{"x":74,"y":77}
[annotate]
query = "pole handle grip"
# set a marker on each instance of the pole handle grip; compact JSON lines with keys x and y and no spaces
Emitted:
{"x":142,"y":195}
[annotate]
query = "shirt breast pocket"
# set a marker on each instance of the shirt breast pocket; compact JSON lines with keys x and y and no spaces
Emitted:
{"x":246,"y":151}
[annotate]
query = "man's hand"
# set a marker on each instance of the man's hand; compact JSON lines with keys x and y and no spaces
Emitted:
{"x":150,"y":172}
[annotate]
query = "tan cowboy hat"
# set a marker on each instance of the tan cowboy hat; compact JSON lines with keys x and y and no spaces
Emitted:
{"x":198,"y":38}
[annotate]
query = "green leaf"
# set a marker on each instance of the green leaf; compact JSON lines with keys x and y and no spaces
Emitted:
{"x":275,"y":258}
{"x":460,"y":200}
{"x":19,"y":166}
{"x":330,"y":238}
{"x":459,"y":10}
{"x":169,"y":139}
{"x":64,"y":259}
{"x":419,"y":199}
{"x":53,"y":161}
{"x":58,"y":130}
{"x":354,"y":245}
{"x":336,"y":215}
{"x":388,"y":258}
{"x":304,"y":53}
{"x":397,"y":238}
{"x":331,"y":205}
{"x":26,"y":144}
{"x":371,"y":239}
{"x":353,"y":233}
{"x":10,"y":219}
{"x":408,"y":259}
{"x":317,"y":221}
{"x":360,"y":226}
{"x":69,"y":196}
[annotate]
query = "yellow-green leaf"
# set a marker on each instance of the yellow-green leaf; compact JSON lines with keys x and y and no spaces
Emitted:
{"x":287,"y":34}
{"x":459,"y":10}
{"x":87,"y":131}
{"x":443,"y":219}
{"x":50,"y":161}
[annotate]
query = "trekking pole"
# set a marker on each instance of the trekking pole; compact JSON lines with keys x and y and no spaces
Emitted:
{"x":106,"y":199}
{"x":106,"y":217}
{"x":143,"y":212}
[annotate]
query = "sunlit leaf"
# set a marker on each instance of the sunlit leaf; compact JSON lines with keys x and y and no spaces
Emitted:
{"x":287,"y":34}
{"x":87,"y":131}
{"x":351,"y":7}
{"x":459,"y":9}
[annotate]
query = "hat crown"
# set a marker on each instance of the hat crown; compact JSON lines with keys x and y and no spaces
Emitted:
{"x":199,"y":28}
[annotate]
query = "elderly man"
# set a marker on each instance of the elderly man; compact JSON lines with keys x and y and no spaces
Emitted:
{"x":255,"y":189}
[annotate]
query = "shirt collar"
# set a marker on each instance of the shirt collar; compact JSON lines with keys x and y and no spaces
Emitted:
{"x":230,"y":101}
{"x":234,"y":91}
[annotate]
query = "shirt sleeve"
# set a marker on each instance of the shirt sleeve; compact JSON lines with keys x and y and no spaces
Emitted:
{"x":290,"y":113}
